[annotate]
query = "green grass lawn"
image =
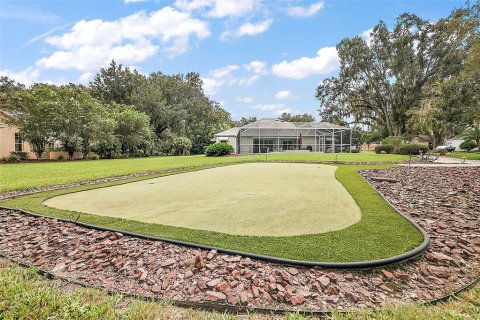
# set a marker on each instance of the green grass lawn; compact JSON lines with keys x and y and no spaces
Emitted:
{"x":30,"y":175}
{"x":467,"y":155}
{"x":380,"y":233}
{"x":25,"y":295}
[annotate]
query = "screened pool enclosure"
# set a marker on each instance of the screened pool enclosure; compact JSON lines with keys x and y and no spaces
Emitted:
{"x":273,"y":135}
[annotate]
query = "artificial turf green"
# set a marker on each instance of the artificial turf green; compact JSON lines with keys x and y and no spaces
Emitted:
{"x":380,"y":233}
{"x":293,"y":199}
{"x":31,"y":175}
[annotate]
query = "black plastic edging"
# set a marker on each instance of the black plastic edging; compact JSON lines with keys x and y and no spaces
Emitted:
{"x":219,"y":307}
{"x":329,"y":265}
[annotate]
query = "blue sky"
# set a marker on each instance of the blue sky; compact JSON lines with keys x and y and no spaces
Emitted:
{"x":256,"y":57}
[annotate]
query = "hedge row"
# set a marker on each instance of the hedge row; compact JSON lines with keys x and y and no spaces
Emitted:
{"x":410,"y":148}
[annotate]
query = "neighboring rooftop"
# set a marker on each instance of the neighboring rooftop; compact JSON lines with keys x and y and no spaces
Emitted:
{"x":268,"y":123}
{"x":232,"y":132}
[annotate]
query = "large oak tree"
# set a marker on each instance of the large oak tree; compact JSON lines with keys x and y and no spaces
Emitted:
{"x":382,"y":79}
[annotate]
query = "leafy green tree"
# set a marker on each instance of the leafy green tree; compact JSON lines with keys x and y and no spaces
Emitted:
{"x":181,"y":146}
{"x":77,"y":120}
{"x":429,"y":119}
{"x":244,"y":121}
{"x":459,"y":96}
{"x":107,"y":144}
{"x":473,"y":134}
{"x":468,"y":145}
{"x":132,"y":128}
{"x":394,"y":141}
{"x":358,"y":137}
{"x":297,"y":117}
{"x":372,"y":137}
{"x":380,"y":81}
{"x":177,"y":104}
{"x":8,"y":89}
{"x":116,"y":84}
{"x":33,"y":112}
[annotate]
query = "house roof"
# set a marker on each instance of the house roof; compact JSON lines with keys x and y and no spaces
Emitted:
{"x":232,"y":132}
{"x":267,"y":123}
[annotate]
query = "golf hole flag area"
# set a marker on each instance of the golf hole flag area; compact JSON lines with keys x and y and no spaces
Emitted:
{"x":253,"y":199}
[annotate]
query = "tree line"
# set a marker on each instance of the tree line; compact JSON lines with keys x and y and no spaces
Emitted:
{"x":418,"y":77}
{"x":121,"y":113}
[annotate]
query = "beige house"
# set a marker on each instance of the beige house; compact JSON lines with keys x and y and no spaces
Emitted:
{"x":11,"y":140}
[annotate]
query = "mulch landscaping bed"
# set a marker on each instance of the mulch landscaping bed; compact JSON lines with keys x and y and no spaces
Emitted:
{"x":444,"y":201}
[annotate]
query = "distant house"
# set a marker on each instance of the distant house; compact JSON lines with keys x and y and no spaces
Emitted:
{"x":455,"y":142}
{"x":274,"y":135}
{"x":421,"y":139}
{"x":451,"y":142}
{"x":11,"y":140}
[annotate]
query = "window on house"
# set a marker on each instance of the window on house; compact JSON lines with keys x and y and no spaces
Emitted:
{"x":18,"y":142}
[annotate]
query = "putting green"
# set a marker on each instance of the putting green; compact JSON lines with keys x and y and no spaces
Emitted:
{"x":254,"y":199}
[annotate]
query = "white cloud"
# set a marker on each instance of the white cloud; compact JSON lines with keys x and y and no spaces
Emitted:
{"x":27,"y":76}
{"x":190,"y":5}
{"x":248,"y":29}
{"x":133,"y":1}
{"x":326,"y":61}
{"x":276,"y":109}
{"x":218,"y":78}
{"x":245,"y":99}
{"x":224,"y":72}
{"x":257,"y":67}
{"x":218,"y":8}
{"x":21,"y":13}
{"x":224,"y":76}
{"x":90,"y":44}
{"x":284,"y":94}
{"x":366,"y":35}
{"x":85,"y":77}
{"x":305,"y":12}
{"x":232,"y":8}
{"x":247,"y":81}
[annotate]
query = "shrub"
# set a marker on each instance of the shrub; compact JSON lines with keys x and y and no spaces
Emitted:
{"x":22,"y":155}
{"x":387,"y":148}
{"x":60,"y":158}
{"x":181,"y":146}
{"x":468,"y":145}
{"x":393,"y":141}
{"x":218,"y":149}
{"x":13,"y":158}
{"x":139,"y":154}
{"x":412,"y":148}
